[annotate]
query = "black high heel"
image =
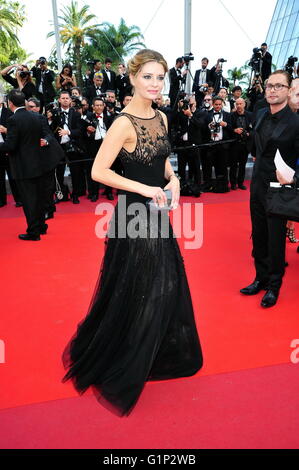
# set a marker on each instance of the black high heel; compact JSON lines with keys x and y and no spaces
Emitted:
{"x":291,"y":235}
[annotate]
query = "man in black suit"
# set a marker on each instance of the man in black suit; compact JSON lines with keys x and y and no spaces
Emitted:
{"x":267,"y":62}
{"x":66,"y":126}
{"x":276,"y":128}
{"x":97,"y":67}
{"x":44,"y":79}
{"x":50,"y":162}
{"x":201,"y":79}
{"x":4,"y":160}
{"x":176,"y":78}
{"x":218,"y":123}
{"x":241,"y":122}
{"x":96,"y":89}
{"x":109,"y":76}
{"x":122,"y":83}
{"x":25,"y":136}
{"x":96,"y":126}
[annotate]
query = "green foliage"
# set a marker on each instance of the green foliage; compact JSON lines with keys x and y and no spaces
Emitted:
{"x":12,"y":17}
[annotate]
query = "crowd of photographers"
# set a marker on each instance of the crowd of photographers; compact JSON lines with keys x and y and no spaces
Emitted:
{"x":210,"y":128}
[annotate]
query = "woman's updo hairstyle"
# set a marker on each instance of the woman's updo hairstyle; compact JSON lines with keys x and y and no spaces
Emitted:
{"x":143,"y":57}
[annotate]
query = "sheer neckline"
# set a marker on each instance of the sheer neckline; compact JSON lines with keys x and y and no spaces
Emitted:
{"x":137,"y":117}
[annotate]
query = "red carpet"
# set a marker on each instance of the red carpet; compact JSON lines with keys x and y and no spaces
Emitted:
{"x":46,"y":290}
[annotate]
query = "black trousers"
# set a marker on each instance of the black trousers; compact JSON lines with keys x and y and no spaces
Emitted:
{"x":217,"y":157}
{"x":76,"y":169}
{"x":192,"y":158}
{"x":34,"y":198}
{"x":269,"y":242}
{"x":5,"y":168}
{"x":238,"y":160}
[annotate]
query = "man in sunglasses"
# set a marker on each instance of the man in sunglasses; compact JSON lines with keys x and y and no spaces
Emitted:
{"x":277,"y":128}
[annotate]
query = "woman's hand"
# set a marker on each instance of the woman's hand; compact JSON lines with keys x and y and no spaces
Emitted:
{"x":174,"y":186}
{"x":157,"y":194}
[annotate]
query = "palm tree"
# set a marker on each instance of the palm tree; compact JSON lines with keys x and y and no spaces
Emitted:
{"x":75,"y":28}
{"x":115,"y":42}
{"x":11,"y":18}
{"x":237,"y":75}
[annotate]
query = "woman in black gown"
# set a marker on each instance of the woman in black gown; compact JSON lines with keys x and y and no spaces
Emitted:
{"x":140,"y":325}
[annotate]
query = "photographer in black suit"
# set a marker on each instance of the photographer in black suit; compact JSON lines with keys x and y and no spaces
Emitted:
{"x":96,"y":126}
{"x":109,"y":76}
{"x":218,"y":124}
{"x":276,"y":128}
{"x":44,"y":79}
{"x":201,"y":79}
{"x":4,"y":160}
{"x":24,"y":141}
{"x":176,"y":77}
{"x":241,"y":122}
{"x":65,"y":123}
{"x":267,"y":62}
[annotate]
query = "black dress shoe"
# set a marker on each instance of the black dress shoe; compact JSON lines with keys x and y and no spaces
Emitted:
{"x":270,"y":298}
{"x":254,"y":288}
{"x":94,"y":198}
{"x":49,"y":215}
{"x":18,"y":204}
{"x":44,"y":229}
{"x":110,"y":197}
{"x":241,"y":186}
{"x":297,"y":249}
{"x":26,"y":236}
{"x":75,"y":200}
{"x":233,"y":187}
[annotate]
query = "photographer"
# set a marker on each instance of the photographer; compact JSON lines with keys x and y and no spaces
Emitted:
{"x":66,"y":125}
{"x":255,"y":93}
{"x":66,"y":80}
{"x":241,"y":122}
{"x":218,"y":124}
{"x":217,"y":78}
{"x":44,"y":79}
{"x":96,"y":89}
{"x":22,"y":80}
{"x":201,"y":79}
{"x":109,"y":76}
{"x":267,"y":62}
{"x":96,"y":126}
{"x":188,"y":127}
{"x":176,"y":78}
{"x":111,"y":109}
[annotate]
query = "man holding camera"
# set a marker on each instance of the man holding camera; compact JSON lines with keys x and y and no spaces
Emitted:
{"x":241,"y":122}
{"x":44,"y":79}
{"x":176,"y":78}
{"x":218,"y":125}
{"x":96,"y":126}
{"x":267,"y":62}
{"x":66,"y":125}
{"x":22,"y":80}
{"x":201,"y":79}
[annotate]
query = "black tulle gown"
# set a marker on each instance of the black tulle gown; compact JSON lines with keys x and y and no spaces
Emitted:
{"x":140,"y":325}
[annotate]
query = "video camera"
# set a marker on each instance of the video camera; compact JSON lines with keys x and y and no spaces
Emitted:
{"x":188,"y":57}
{"x":289,"y":67}
{"x":256,"y":60}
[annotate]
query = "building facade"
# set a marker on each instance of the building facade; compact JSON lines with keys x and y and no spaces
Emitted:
{"x":283,"y":34}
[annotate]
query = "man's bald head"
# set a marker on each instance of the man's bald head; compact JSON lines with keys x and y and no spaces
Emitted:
{"x":240,"y":105}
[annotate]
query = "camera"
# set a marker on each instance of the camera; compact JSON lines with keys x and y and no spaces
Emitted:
{"x":215,"y":127}
{"x":186,"y":103}
{"x":76,"y":102}
{"x":290,"y":65}
{"x":188,"y":57}
{"x":25,"y":74}
{"x":222,"y":60}
{"x":203,"y":89}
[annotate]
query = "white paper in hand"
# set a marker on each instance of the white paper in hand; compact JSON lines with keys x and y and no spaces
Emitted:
{"x":284,"y":169}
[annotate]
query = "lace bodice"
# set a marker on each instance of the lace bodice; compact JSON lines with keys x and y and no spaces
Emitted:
{"x":152,"y":140}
